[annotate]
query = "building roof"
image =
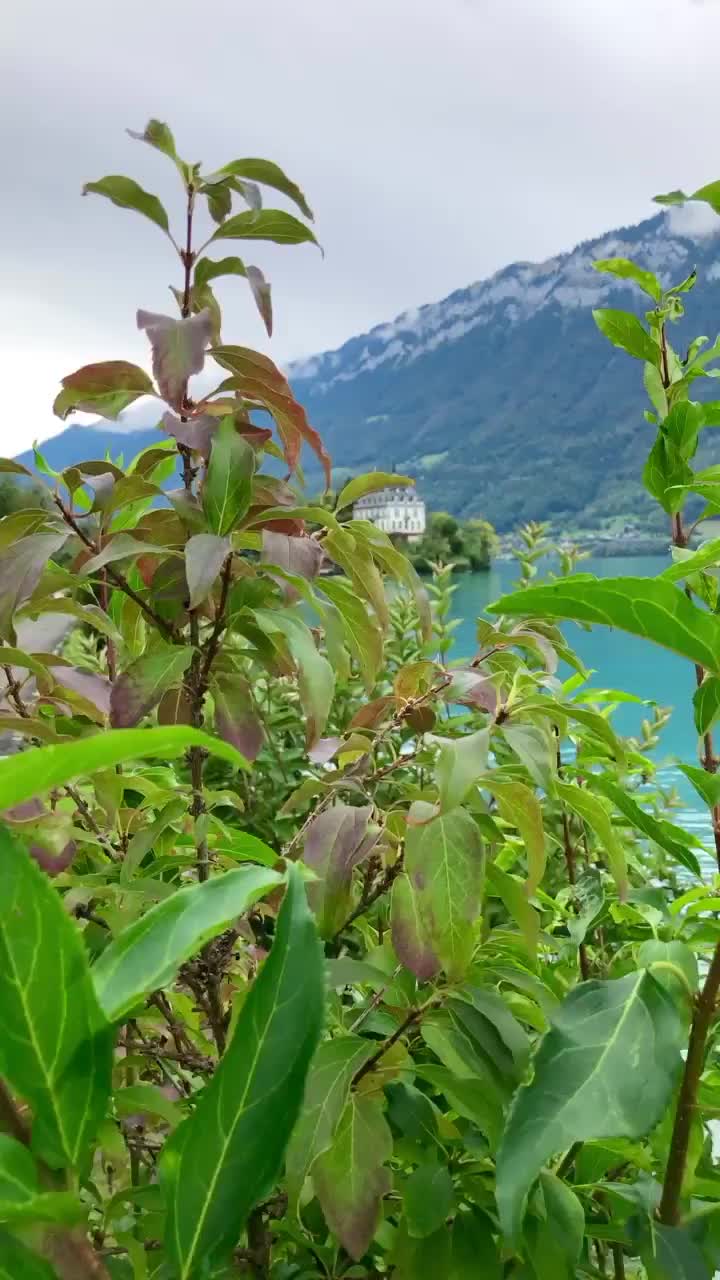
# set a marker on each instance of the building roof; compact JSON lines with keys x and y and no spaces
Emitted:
{"x":395,"y":495}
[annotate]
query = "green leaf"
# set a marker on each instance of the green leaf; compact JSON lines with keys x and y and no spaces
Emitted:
{"x":363,"y":635}
{"x":355,"y":557}
{"x":444,"y":860}
{"x":665,"y":834}
{"x":265,"y":224}
{"x":59,"y":1207}
{"x":473,"y":1252}
{"x":520,"y":807}
{"x":555,"y":1240}
{"x":147,"y":954}
{"x":56,"y":1047}
{"x":665,"y":473}
{"x":648,"y":607}
{"x":534,"y":746}
{"x":208,"y":269}
{"x":706,"y":556}
{"x":706,"y":704}
{"x":18,"y":1172}
{"x":627,"y":270}
{"x":328,"y":1088}
{"x":32,"y":772}
{"x":17,"y":1262}
{"x":350,"y":1178}
{"x":606,"y":1069}
{"x":140,"y":687}
{"x":126,"y":194}
{"x":158,"y":135}
{"x":459,"y":765}
{"x":624,"y":330}
{"x":123,"y":546}
{"x":227,"y":489}
{"x":147,"y":1099}
{"x":596,"y":813}
{"x":512,"y":894}
{"x":672,"y":1254}
{"x":683,"y":424}
{"x":706,"y":784}
{"x":370,"y":483}
{"x":106,"y":389}
{"x":428,"y":1197}
{"x":675,"y":953}
{"x":270,"y":175}
{"x":247,"y":848}
{"x":316,"y":679}
{"x":220,"y":1161}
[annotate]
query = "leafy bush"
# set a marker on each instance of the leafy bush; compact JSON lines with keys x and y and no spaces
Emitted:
{"x":322,"y":955}
{"x":467,"y":544}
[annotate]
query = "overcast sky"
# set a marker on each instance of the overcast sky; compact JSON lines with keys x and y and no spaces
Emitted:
{"x":437,"y":140}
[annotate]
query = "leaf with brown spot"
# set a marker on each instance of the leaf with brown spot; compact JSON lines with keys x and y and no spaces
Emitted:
{"x":337,"y":841}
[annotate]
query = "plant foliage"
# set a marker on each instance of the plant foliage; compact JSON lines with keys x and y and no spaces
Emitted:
{"x":324,"y":953}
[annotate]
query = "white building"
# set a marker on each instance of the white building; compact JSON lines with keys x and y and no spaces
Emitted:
{"x":399,"y":511}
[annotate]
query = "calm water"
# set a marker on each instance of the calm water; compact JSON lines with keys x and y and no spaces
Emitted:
{"x":619,"y":662}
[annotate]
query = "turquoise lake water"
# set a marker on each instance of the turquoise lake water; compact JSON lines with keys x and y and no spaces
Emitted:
{"x":619,"y":662}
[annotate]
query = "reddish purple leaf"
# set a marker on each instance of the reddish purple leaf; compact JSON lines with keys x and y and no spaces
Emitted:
{"x":21,"y":568}
{"x":196,"y":433}
{"x":256,"y":378}
{"x":205,"y":555}
{"x":350,"y":1178}
{"x":324,"y":750}
{"x":336,"y":842}
{"x":44,"y":834}
{"x":469,"y":689}
{"x":89,"y":684}
{"x":236,"y":719}
{"x":138,"y":689}
{"x":174,"y":707}
{"x":178,"y":348}
{"x":300,"y":556}
{"x":261,"y":294}
{"x":409,"y":933}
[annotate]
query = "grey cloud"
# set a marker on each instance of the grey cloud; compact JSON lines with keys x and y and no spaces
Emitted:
{"x":435,"y":139}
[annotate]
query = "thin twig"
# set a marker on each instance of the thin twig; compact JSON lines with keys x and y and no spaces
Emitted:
{"x":164,"y":627}
{"x":414,"y":1016}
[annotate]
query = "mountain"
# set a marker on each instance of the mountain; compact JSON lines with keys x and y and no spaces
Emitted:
{"x":503,"y":400}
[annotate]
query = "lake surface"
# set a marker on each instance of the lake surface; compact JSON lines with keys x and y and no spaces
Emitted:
{"x":619,"y":662}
